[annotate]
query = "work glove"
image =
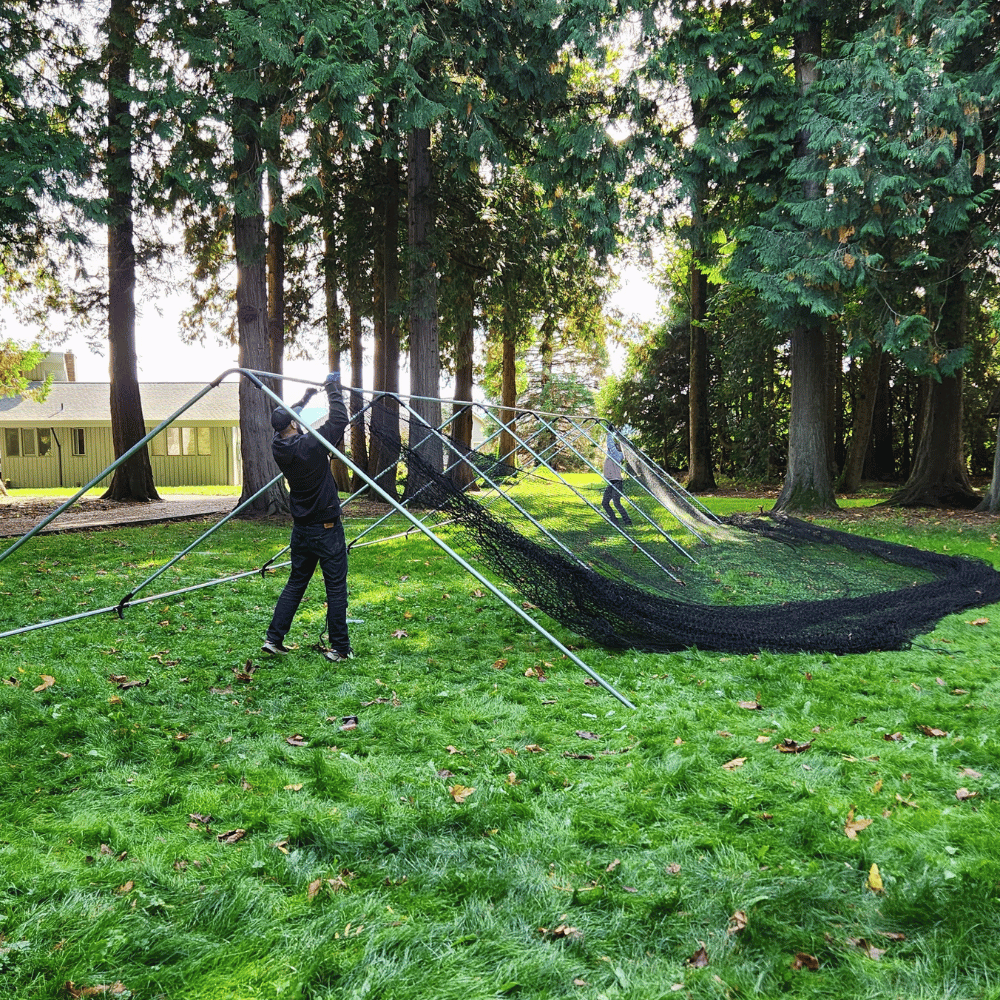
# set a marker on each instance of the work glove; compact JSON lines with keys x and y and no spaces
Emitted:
{"x":332,"y":379}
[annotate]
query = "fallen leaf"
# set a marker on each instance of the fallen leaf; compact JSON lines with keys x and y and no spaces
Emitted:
{"x":128,"y":685}
{"x":534,"y":748}
{"x":963,"y":793}
{"x":460,"y":792}
{"x":804,"y":961}
{"x":875,"y":879}
{"x":979,"y":621}
{"x":231,"y":836}
{"x":586,"y":734}
{"x":349,"y":722}
{"x":673,"y":869}
{"x":931,"y":731}
{"x":126,"y":888}
{"x":737,"y":922}
{"x":47,"y":682}
{"x":854,"y":826}
{"x":512,"y":778}
{"x":699,"y":959}
{"x":499,"y":664}
{"x":614,"y":864}
{"x":792,"y":746}
{"x":751,"y":706}
{"x":297,"y":741}
{"x":968,"y":772}
{"x":736,"y":762}
{"x":579,"y":756}
{"x":400,"y":634}
{"x":875,"y":954}
{"x":763,"y":739}
{"x":893,"y":737}
{"x":452,"y":750}
{"x":228,"y":689}
{"x":893,"y":935}
{"x":75,"y":992}
{"x":561,"y":931}
{"x":293,"y":788}
{"x":912,"y":803}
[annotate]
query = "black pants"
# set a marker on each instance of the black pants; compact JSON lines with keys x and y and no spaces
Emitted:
{"x":613,"y":494}
{"x":312,"y":544}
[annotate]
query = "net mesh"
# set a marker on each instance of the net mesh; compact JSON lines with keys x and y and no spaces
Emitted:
{"x":676,"y":576}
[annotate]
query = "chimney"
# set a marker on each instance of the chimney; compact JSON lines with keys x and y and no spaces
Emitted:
{"x":70,"y":366}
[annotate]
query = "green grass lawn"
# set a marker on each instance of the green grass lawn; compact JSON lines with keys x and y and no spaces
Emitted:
{"x":457,"y":813}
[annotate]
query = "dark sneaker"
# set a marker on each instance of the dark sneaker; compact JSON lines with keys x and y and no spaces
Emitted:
{"x":274,"y":648}
{"x":334,"y":657}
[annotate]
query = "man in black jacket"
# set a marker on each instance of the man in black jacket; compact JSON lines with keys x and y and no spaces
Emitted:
{"x":317,"y":532}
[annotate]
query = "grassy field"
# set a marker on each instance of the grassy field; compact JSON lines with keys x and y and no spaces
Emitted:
{"x":457,"y":813}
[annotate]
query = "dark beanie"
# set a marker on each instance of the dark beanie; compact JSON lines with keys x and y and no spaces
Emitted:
{"x":280,"y":419}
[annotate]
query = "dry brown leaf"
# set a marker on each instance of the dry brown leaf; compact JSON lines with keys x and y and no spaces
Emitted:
{"x":912,"y":803}
{"x":127,"y":887}
{"x":560,"y":931}
{"x":499,"y":664}
{"x":792,"y":746}
{"x":231,"y":836}
{"x":579,"y":756}
{"x":614,"y":864}
{"x":699,"y":959}
{"x":979,"y":621}
{"x":737,"y":922}
{"x":293,"y":788}
{"x":297,"y":741}
{"x":460,"y":792}
{"x":452,"y":750}
{"x":968,"y":772}
{"x":736,"y":762}
{"x":400,"y":634}
{"x":534,"y":748}
{"x":931,"y":731}
{"x":875,"y":954}
{"x":47,"y":682}
{"x":673,"y":869}
{"x":586,"y":734}
{"x":963,"y":793}
{"x":349,"y":722}
{"x":893,"y":737}
{"x":854,"y":826}
{"x":74,"y":992}
{"x":751,"y":706}
{"x":804,"y":961}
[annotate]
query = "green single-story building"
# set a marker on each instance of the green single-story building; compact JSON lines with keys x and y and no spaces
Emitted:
{"x":66,"y":440}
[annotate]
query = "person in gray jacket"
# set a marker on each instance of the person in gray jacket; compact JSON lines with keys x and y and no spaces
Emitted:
{"x":317,"y":531}
{"x":612,"y":472}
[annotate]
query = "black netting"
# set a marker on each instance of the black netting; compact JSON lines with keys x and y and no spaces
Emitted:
{"x":677,"y":577}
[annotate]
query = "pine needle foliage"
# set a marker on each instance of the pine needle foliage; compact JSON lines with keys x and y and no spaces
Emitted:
{"x":457,"y":814}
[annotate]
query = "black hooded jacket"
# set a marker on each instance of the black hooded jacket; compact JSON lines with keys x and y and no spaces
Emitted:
{"x":306,"y":465}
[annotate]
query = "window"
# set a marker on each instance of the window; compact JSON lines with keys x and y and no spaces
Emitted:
{"x":187,"y":441}
{"x":44,"y":441}
{"x":11,"y":442}
{"x":28,"y":442}
{"x":79,"y":440}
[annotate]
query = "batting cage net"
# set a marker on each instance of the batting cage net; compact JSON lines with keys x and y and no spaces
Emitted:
{"x":639,"y":563}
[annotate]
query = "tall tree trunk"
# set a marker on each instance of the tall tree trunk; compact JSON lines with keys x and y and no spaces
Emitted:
{"x":251,"y":312}
{"x":383,"y":456}
{"x":276,"y":237}
{"x":507,"y":449}
{"x":359,"y":440}
{"x":461,"y":426}
{"x":425,"y":353}
{"x":133,"y":480}
{"x":861,"y":419}
{"x":808,"y":482}
{"x":939,"y":477}
{"x":701,"y":472}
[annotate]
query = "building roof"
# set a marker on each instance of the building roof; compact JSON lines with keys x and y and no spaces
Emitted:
{"x":88,"y":403}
